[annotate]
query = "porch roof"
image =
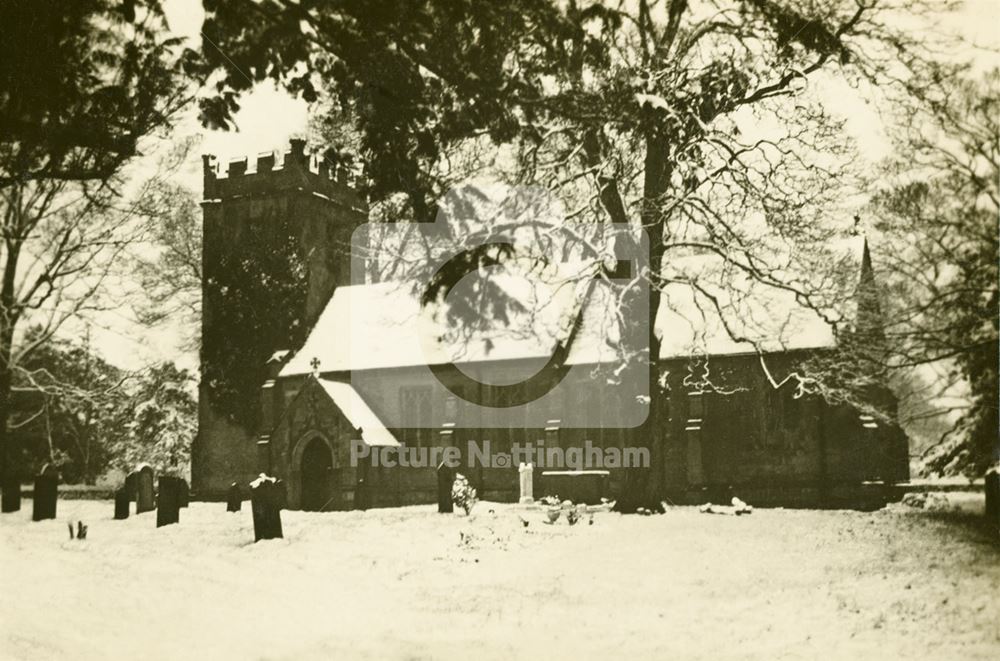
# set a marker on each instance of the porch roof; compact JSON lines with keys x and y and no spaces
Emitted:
{"x":358,"y":413}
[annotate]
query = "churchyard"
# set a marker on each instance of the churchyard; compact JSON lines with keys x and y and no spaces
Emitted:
{"x":902,"y":582}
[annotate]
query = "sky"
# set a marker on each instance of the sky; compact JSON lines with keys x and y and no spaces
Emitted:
{"x":269,"y":117}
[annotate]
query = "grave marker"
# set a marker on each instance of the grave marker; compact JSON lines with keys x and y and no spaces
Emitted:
{"x":123,"y":500}
{"x":445,"y":477}
{"x":168,"y":501}
{"x":526,"y":473}
{"x":144,"y":495}
{"x":46,"y":495}
{"x":992,"y":488}
{"x":183,"y":493}
{"x":265,"y":501}
{"x":234,"y":499}
{"x":282,"y":494}
{"x":11,"y":498}
{"x":130,"y":484}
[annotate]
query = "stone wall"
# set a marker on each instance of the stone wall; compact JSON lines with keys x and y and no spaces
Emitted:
{"x":761,"y":444}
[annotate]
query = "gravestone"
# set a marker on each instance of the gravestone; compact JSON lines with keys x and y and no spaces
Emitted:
{"x":168,"y":501}
{"x":361,"y":494}
{"x":183,"y":493}
{"x":445,"y":476}
{"x":282,"y":494}
{"x":579,"y":486}
{"x":234,"y":499}
{"x":46,"y":495}
{"x":265,"y":501}
{"x":123,"y":500}
{"x":992,"y":487}
{"x":144,"y":496}
{"x":526,"y":473}
{"x":130,"y":484}
{"x":11,"y":497}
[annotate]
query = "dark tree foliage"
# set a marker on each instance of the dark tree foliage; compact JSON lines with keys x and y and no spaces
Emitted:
{"x":81,"y":85}
{"x":259,"y":282}
{"x":82,"y":415}
{"x":70,"y":411}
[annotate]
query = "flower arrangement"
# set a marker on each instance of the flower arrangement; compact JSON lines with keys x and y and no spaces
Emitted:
{"x":463,"y":494}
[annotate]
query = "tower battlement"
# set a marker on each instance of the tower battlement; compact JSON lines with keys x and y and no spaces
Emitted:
{"x":294,"y":170}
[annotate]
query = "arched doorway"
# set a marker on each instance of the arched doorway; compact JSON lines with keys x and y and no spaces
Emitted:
{"x":317,"y":476}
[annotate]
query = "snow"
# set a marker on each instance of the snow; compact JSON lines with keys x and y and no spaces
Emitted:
{"x":379,"y":326}
{"x":263,"y":478}
{"x":356,"y":410}
{"x":654,"y":100}
{"x":411,"y":583}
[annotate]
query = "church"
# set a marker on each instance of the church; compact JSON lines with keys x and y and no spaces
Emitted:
{"x":310,"y":378}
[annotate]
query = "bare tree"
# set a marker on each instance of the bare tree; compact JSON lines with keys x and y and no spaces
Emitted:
{"x":938,"y":216}
{"x":168,"y":268}
{"x":81,"y":86}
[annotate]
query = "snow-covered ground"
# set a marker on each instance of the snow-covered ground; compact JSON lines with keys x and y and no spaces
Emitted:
{"x":412,"y":584}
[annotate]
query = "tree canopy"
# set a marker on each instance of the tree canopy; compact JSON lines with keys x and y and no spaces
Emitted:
{"x":82,"y":85}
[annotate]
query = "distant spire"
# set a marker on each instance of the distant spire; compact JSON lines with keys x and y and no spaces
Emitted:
{"x":866,"y":263}
{"x":869,"y":321}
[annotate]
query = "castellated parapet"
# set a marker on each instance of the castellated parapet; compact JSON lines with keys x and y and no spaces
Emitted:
{"x":294,"y":170}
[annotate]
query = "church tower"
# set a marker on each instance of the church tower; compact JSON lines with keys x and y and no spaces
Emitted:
{"x":276,"y":242}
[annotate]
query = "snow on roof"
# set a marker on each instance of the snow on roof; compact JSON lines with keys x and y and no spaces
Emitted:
{"x":358,"y":413}
{"x":383,"y":325}
{"x":711,"y":310}
{"x":712,"y":322}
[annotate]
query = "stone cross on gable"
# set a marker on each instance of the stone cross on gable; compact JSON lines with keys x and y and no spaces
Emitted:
{"x":314,"y":363}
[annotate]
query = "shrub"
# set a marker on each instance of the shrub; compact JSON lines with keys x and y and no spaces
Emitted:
{"x":463,"y":494}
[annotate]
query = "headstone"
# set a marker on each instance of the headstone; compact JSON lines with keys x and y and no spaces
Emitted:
{"x":282,"y":494}
{"x":526,"y":473}
{"x":168,"y":501}
{"x":130,"y":484}
{"x":123,"y":501}
{"x":445,"y":477}
{"x":183,"y":493}
{"x":11,"y":497}
{"x":144,"y":496}
{"x":45,"y":498}
{"x":234,"y":499}
{"x":992,"y":488}
{"x":361,"y":494}
{"x":265,"y":501}
{"x":578,"y":486}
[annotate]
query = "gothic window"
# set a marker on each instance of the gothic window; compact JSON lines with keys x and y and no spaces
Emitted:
{"x":692,"y":426}
{"x":451,"y":416}
{"x":696,"y":411}
{"x":415,"y":407}
{"x":511,"y":422}
{"x":594,"y":413}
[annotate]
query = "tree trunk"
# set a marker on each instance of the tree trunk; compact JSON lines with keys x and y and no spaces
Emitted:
{"x":8,"y":318}
{"x":644,"y":487}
